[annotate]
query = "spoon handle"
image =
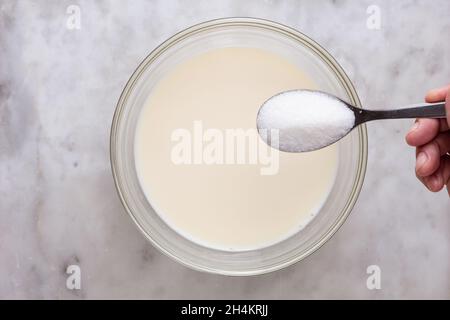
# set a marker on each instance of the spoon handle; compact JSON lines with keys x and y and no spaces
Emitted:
{"x":425,"y":110}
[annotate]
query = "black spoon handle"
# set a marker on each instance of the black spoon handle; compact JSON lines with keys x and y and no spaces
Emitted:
{"x":429,"y":110}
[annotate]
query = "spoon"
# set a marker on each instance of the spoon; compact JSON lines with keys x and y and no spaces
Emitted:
{"x":307,"y":120}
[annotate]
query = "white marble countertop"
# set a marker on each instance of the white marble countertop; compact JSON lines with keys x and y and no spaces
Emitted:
{"x":58,"y":204}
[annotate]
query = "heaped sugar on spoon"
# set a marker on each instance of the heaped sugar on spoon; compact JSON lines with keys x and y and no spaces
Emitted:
{"x":307,"y":120}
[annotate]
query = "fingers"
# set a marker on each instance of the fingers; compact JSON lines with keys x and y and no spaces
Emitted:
{"x":423,"y":131}
{"x":441,"y":94}
{"x":447,"y":107}
{"x":429,"y":155}
{"x":440,"y":178}
{"x":437,"y":95}
{"x":443,"y":123}
{"x":445,"y":171}
{"x":431,"y":137}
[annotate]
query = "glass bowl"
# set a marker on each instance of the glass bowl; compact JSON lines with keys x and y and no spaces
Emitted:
{"x":236,"y":32}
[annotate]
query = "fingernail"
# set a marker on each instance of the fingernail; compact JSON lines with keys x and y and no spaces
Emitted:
{"x":415,"y":126}
{"x":436,"y":181}
{"x":422,"y":157}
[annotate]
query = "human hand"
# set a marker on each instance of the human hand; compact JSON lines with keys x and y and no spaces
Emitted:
{"x":431,"y":137}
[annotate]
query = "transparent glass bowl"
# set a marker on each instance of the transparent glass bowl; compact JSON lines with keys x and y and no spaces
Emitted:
{"x":236,"y":32}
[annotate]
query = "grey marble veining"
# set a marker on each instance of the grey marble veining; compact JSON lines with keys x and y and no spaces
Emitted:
{"x":58,"y":205}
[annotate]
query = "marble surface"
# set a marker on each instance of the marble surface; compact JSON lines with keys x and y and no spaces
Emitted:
{"x":58,"y":204}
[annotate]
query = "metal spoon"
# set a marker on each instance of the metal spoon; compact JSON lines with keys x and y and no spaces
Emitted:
{"x":421,"y":110}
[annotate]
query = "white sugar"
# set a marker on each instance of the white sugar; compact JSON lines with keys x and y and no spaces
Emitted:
{"x":305,"y":120}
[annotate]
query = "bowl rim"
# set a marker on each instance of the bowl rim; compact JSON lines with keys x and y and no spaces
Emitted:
{"x":279,"y":27}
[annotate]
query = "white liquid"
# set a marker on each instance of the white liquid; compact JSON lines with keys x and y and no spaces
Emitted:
{"x":306,"y":120}
{"x":228,"y":207}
